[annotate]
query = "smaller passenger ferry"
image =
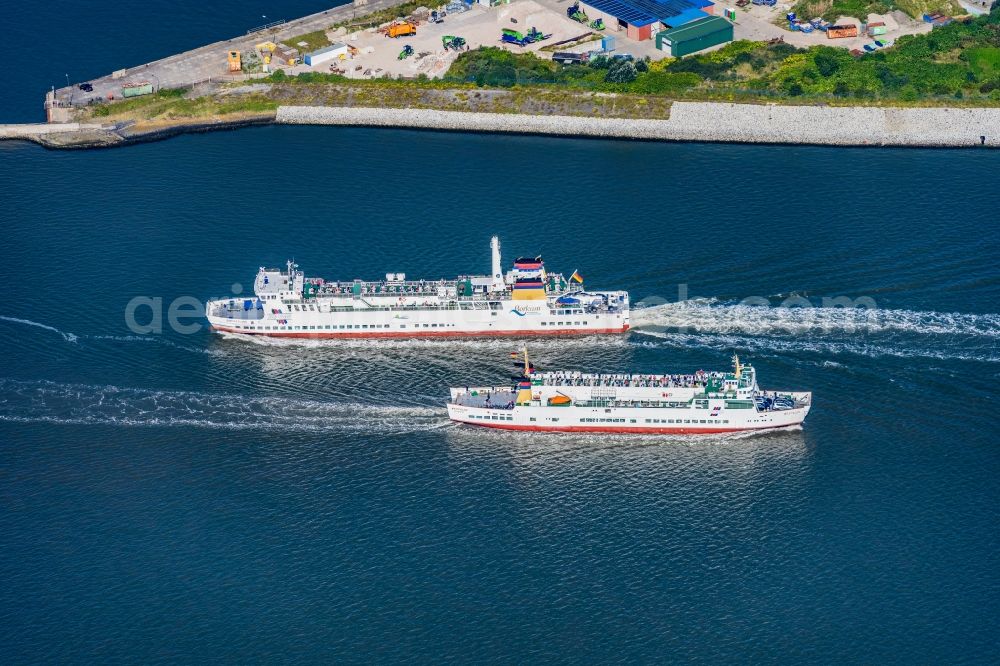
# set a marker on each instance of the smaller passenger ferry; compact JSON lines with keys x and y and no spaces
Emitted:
{"x":687,"y":404}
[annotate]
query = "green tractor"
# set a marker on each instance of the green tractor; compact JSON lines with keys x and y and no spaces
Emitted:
{"x":405,"y":53}
{"x":452,"y":42}
{"x":577,"y":14}
{"x":597,"y":24}
{"x":536,"y":35}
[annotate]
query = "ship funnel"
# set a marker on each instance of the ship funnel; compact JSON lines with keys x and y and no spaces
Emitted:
{"x":496,"y":273}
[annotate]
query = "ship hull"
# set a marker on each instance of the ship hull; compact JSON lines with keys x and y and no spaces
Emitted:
{"x":489,"y":333}
{"x":338,"y":320}
{"x":626,"y":430}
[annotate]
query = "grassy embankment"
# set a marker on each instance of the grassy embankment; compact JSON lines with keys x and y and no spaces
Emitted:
{"x":172,"y":105}
{"x":860,"y":9}
{"x":317,"y":89}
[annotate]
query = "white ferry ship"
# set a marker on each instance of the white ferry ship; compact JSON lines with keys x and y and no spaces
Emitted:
{"x":528,"y":300}
{"x":699,"y":403}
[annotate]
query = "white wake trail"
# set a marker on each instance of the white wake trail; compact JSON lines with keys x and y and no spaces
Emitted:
{"x":712,"y":317}
{"x":69,"y":337}
{"x":44,"y":401}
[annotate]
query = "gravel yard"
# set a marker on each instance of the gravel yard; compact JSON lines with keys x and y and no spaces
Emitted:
{"x":377,"y":55}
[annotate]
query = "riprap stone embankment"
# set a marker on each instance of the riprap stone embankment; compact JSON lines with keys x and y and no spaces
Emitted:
{"x":702,"y":121}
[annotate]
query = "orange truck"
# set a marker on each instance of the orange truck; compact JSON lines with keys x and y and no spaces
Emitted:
{"x":842,"y":31}
{"x":403,"y":29}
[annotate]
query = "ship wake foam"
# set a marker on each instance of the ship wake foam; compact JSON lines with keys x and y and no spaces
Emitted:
{"x":69,"y":337}
{"x":714,"y":317}
{"x":875,"y":333}
{"x":728,"y":343}
{"x":44,"y":401}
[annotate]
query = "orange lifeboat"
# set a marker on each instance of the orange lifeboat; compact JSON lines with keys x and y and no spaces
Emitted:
{"x":560,"y":401}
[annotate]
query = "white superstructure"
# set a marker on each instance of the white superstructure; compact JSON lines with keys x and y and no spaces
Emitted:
{"x":699,"y":403}
{"x":526,"y":301}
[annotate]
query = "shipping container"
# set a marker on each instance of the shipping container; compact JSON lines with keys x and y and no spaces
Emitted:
{"x":842,"y":31}
{"x":568,"y":58}
{"x":327,"y":54}
{"x":136,"y":89}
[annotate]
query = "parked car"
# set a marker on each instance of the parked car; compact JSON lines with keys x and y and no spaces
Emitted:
{"x":86,"y":87}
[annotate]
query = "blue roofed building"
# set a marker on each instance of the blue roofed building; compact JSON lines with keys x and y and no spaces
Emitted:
{"x":642,"y":19}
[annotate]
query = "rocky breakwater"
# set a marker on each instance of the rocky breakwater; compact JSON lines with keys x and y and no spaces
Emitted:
{"x":702,"y":121}
{"x":62,"y":135}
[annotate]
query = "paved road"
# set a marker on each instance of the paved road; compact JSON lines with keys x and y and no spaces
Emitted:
{"x":209,"y":61}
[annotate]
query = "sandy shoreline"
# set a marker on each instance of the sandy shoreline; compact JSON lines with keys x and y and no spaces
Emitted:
{"x":688,"y":121}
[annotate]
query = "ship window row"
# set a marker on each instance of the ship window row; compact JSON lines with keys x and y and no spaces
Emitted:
{"x":705,"y":421}
{"x":492,"y":417}
{"x":564,"y":323}
{"x":602,"y":420}
{"x":328,"y":327}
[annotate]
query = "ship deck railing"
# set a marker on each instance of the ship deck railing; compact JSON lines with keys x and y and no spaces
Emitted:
{"x":633,"y":404}
{"x":232,"y":312}
{"x":498,"y":398}
{"x":625,"y":381}
{"x":454,"y":303}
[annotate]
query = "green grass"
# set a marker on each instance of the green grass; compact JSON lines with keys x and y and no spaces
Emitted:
{"x":860,"y":9}
{"x":135,"y":104}
{"x":984,"y":61}
{"x":314,"y":41}
{"x":172,"y":104}
{"x":917,"y":8}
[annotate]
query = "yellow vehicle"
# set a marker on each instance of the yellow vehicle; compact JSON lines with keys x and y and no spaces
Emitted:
{"x":403,"y":29}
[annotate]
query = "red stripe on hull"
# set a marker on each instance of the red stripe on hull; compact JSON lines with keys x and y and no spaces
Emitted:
{"x":422,"y":334}
{"x":624,"y":430}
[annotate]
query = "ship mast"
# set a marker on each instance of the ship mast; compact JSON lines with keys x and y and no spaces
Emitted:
{"x":495,"y":271}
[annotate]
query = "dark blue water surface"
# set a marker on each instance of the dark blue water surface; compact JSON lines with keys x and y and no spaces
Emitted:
{"x":191,"y":497}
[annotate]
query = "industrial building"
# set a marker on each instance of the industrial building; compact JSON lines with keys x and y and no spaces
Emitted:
{"x":643,"y":19}
{"x":695,"y":36}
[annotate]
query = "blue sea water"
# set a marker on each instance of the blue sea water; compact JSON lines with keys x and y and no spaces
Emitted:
{"x":194,"y":497}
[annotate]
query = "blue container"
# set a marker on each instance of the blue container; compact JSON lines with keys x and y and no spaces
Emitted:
{"x":790,"y":16}
{"x":607,"y":43}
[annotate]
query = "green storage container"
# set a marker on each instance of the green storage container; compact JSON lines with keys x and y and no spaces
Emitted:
{"x":137,"y":89}
{"x":695,"y":36}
